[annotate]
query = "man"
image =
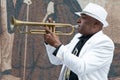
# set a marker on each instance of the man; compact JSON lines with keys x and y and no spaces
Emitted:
{"x":89,"y":54}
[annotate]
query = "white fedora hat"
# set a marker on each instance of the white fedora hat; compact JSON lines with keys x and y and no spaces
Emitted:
{"x":95,"y":11}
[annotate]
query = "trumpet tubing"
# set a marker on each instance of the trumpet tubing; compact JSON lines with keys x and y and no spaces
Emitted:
{"x":16,"y":24}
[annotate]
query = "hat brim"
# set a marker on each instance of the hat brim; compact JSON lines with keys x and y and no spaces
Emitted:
{"x":105,"y":23}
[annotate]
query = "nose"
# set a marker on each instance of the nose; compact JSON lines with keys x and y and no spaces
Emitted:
{"x":79,"y":20}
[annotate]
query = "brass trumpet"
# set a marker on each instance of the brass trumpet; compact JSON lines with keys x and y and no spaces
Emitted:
{"x":15,"y":24}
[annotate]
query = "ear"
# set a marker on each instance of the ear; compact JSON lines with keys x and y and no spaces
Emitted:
{"x":98,"y":25}
{"x":95,"y":25}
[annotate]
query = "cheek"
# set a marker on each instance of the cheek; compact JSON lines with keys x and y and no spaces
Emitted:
{"x":82,"y":26}
{"x":84,"y":29}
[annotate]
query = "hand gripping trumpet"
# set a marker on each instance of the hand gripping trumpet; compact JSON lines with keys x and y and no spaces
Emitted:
{"x":16,"y":24}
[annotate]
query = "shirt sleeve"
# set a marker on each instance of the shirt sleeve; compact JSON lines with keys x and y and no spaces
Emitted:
{"x":53,"y":59}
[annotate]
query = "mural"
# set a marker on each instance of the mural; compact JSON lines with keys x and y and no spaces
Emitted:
{"x":30,"y":61}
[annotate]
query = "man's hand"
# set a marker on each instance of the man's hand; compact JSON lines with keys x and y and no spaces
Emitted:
{"x":51,"y":38}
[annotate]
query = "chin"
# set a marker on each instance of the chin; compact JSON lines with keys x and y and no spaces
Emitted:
{"x":80,"y":32}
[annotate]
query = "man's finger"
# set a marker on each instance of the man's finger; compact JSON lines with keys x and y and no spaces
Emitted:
{"x":50,"y":20}
{"x":48,"y":30}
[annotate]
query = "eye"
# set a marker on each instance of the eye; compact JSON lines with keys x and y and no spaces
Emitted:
{"x":83,"y":16}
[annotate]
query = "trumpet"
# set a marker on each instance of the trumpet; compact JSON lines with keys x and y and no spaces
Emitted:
{"x":15,"y":24}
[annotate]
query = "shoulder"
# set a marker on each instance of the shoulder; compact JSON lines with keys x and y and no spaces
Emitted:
{"x":102,"y":38}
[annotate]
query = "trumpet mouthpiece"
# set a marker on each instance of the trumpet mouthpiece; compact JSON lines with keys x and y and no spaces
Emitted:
{"x":75,"y":26}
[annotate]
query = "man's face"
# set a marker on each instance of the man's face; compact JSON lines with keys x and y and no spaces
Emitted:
{"x":86,"y":24}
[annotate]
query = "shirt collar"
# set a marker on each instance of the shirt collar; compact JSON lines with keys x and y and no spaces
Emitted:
{"x":86,"y":36}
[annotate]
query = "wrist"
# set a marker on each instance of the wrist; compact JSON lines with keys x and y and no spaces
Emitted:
{"x":57,"y":45}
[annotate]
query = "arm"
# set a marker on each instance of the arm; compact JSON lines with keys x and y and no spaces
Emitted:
{"x":50,"y":49}
{"x":52,"y":43}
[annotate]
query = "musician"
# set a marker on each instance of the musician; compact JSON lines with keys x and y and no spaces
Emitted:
{"x":89,"y":54}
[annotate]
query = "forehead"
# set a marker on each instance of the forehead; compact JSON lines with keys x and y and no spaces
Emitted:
{"x":87,"y":16}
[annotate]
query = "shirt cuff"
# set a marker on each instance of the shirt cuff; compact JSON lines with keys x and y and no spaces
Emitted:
{"x":55,"y":52}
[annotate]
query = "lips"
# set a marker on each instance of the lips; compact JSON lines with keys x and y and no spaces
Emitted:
{"x":79,"y":25}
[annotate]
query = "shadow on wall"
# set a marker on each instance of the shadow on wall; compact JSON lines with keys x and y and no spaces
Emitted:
{"x":115,"y":68}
